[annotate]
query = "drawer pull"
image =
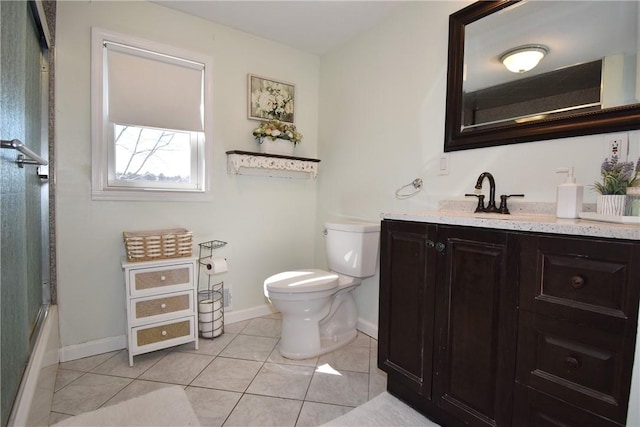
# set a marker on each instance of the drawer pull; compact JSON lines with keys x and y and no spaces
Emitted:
{"x":163,"y":278}
{"x":163,"y":305}
{"x":164,"y":333}
{"x":572,"y":362}
{"x":577,"y":282}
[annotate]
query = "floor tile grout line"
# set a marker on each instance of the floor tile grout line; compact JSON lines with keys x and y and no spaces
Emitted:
{"x":212,"y":360}
{"x":249,"y":385}
{"x":269,"y":359}
{"x":103,"y":403}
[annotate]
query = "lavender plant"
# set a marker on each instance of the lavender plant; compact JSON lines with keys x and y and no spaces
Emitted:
{"x":617,"y":176}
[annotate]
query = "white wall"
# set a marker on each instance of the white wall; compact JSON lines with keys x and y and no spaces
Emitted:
{"x":382,"y":108}
{"x":371,"y":110}
{"x":267,"y":221}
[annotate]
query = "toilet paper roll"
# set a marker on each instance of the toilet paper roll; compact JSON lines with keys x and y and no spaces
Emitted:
{"x":212,"y":334}
{"x":208,"y":309}
{"x":215,"y":266}
{"x":208,"y":306}
{"x":211,"y":329}
{"x":205,"y":317}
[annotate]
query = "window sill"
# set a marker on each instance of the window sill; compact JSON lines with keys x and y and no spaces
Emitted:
{"x":260,"y":164}
{"x":152,"y":195}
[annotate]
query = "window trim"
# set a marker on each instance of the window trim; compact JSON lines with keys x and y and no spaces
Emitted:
{"x":100,"y":143}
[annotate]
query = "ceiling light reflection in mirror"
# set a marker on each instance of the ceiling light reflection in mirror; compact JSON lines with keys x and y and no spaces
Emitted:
{"x":524,"y":58}
{"x":585,"y":68}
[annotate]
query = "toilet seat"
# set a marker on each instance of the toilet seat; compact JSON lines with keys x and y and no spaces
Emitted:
{"x":302,"y":281}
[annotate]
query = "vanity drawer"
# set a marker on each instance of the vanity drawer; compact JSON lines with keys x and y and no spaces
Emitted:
{"x":162,"y":335}
{"x":581,"y":280}
{"x":145,"y":310}
{"x":148,"y":281}
{"x":535,"y":409}
{"x":575,"y":363}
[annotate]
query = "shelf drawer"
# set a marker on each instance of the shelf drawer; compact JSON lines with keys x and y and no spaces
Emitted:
{"x":161,"y":335}
{"x":577,"y":364}
{"x":148,"y":309}
{"x":149,"y":281}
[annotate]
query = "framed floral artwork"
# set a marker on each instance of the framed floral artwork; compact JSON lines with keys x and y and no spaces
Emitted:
{"x":270,"y":99}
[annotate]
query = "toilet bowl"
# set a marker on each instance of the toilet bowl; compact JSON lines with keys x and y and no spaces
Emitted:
{"x":318,"y":309}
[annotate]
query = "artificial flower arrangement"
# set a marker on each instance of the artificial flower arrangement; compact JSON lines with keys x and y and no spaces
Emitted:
{"x":276,"y":129}
{"x":617,"y":176}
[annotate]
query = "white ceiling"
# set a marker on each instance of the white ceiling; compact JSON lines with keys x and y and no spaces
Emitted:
{"x":312,"y":26}
{"x":575,"y":32}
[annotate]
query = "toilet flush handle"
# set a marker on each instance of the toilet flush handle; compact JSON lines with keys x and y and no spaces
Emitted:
{"x":325,"y":232}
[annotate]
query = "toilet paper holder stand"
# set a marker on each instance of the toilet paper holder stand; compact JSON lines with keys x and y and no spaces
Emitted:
{"x":210,"y":293}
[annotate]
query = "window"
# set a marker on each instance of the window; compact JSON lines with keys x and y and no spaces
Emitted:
{"x":151,"y":133}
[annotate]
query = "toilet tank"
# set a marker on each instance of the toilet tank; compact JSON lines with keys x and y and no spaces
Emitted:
{"x":352,"y":247}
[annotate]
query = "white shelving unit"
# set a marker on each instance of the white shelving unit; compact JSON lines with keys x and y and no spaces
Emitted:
{"x":161,"y":304}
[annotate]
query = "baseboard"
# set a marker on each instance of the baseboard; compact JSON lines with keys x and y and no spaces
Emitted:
{"x":91,"y":348}
{"x":368,"y":328}
{"x":236,"y":316}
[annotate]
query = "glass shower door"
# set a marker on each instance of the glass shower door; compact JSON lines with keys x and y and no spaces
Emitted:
{"x":21,"y":222}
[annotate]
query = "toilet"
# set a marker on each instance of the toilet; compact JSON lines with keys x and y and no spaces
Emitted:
{"x":318,"y":310}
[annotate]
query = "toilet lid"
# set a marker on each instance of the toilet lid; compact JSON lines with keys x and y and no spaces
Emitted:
{"x":302,"y":281}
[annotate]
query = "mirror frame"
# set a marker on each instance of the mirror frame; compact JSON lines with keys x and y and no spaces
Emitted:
{"x":615,"y":119}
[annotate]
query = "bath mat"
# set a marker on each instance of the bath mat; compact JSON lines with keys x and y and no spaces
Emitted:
{"x":168,"y":406}
{"x":382,"y":410}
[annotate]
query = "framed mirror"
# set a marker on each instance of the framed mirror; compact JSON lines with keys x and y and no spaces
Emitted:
{"x":587,"y":80}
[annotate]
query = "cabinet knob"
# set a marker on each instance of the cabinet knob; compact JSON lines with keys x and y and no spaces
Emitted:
{"x":164,"y":333}
{"x":576,"y":282}
{"x":439,"y":247}
{"x":163,"y":278}
{"x":572,"y":362}
{"x":163,"y":305}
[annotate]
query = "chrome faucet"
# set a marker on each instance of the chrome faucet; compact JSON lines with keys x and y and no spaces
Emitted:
{"x":491,"y":207}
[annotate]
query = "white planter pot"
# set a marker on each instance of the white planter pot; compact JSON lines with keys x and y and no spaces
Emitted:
{"x":279,"y":146}
{"x":614,"y":205}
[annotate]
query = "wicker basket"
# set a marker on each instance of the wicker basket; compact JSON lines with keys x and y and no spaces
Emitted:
{"x":158,"y":244}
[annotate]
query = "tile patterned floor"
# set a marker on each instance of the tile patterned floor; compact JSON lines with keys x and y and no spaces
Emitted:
{"x":237,"y":379}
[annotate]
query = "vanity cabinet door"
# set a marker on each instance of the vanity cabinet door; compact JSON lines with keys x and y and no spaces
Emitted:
{"x":476,"y":325}
{"x":405,"y":336}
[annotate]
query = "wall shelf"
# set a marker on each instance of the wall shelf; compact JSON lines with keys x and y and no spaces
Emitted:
{"x":250,"y":163}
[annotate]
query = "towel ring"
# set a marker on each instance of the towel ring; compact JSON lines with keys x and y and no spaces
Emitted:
{"x":416,"y":184}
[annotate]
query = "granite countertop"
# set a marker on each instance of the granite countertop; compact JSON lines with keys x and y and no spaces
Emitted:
{"x":524,"y":217}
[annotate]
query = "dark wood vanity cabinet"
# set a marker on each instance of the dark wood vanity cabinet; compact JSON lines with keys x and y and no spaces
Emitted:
{"x":486,"y":327}
{"x":577,"y":330}
{"x":447,"y":320}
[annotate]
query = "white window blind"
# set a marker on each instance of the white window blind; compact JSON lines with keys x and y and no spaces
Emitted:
{"x":138,"y":92}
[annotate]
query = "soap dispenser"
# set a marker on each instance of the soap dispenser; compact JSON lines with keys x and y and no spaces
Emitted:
{"x":569,"y":196}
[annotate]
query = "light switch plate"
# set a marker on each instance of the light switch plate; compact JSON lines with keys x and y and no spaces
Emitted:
{"x":444,"y":164}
